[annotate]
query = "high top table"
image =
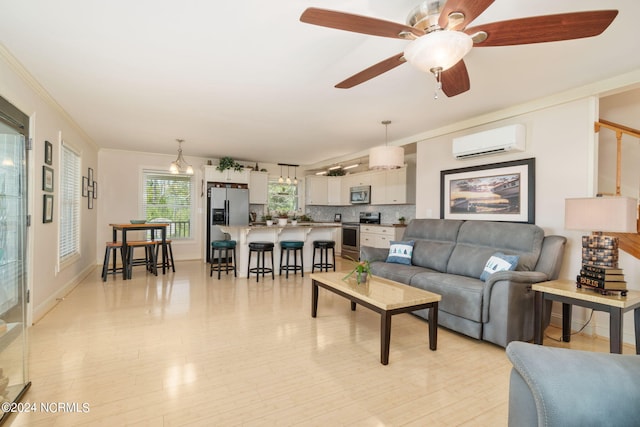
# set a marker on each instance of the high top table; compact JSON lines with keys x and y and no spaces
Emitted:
{"x":147,"y":226}
{"x":382,"y":296}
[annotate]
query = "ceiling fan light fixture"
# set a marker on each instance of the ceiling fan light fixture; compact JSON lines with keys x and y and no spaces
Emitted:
{"x":438,"y":49}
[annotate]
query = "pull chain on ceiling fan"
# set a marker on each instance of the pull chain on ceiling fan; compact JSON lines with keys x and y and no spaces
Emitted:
{"x":440,"y":37}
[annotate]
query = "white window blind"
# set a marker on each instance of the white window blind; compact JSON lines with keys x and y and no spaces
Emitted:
{"x":167,"y":198}
{"x":70,"y":183}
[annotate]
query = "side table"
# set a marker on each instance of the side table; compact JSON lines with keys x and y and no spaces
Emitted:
{"x":566,"y":292}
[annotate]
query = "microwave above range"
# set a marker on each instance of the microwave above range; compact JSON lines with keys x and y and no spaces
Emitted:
{"x":360,"y":195}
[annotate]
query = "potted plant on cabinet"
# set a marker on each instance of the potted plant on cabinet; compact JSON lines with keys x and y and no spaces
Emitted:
{"x":402,"y":220}
{"x":283,"y":217}
{"x":268,"y":219}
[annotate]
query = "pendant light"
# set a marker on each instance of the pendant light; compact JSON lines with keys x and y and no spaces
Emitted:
{"x":385,"y":156}
{"x":180,"y":165}
{"x":281,"y":179}
{"x":295,"y":176}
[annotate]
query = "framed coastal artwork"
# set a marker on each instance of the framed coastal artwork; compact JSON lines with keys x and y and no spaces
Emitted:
{"x":494,"y":192}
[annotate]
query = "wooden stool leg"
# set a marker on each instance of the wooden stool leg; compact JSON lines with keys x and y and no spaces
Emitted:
{"x":105,"y":264}
{"x":273,"y":277}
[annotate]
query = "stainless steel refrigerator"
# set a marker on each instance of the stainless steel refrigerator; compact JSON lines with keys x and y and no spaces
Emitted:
{"x":227,"y":204}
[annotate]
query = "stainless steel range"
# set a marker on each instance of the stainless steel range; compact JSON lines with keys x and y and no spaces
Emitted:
{"x":351,"y":234}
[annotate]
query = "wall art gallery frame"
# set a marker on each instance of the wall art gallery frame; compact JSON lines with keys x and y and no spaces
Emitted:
{"x":47,"y":208}
{"x":502,"y":191}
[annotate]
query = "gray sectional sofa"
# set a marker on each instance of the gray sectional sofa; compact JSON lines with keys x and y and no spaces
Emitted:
{"x":450,"y":255}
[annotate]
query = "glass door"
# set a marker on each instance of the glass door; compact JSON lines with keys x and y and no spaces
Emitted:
{"x":13,"y":233}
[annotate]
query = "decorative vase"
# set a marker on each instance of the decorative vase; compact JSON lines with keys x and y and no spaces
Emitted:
{"x":361,"y":278}
{"x":282,"y":221}
{"x":269,"y":222}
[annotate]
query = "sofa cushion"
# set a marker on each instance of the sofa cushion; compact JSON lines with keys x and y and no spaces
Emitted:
{"x":461,"y":296}
{"x":400,"y":252}
{"x":399,"y":272}
{"x":499,"y":262}
{"x":434,"y":241}
{"x":478,"y":240}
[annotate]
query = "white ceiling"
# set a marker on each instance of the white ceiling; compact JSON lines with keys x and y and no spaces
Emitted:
{"x":246,"y":79}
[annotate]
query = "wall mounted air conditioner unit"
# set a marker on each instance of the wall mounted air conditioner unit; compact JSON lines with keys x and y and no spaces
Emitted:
{"x":493,"y":141}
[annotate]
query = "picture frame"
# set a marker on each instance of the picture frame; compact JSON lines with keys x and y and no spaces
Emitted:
{"x":47,"y":179}
{"x":47,"y":208}
{"x":85,"y":186}
{"x":337,"y":218}
{"x":502,"y":191}
{"x":95,"y":189}
{"x":48,"y":153}
{"x":90,"y":176}
{"x":90,"y":200}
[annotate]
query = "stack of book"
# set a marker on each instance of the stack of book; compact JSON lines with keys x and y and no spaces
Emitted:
{"x":600,"y":264}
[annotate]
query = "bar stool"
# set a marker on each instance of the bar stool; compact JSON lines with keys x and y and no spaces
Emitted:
{"x":324,"y":246}
{"x":149,"y":259}
{"x":288,"y":246}
{"x":260,"y":248}
{"x":223,"y":246}
{"x":111,"y":247}
{"x":167,"y":258}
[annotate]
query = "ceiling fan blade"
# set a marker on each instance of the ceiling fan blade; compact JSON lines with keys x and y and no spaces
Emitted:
{"x":455,"y":80}
{"x":373,"y":71}
{"x":548,"y":28}
{"x":470,"y":9}
{"x":357,"y":23}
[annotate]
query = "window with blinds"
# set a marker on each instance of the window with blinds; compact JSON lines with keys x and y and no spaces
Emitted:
{"x":70,"y":182}
{"x":167,"y":198}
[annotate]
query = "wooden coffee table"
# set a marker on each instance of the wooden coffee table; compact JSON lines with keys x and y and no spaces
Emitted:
{"x":382,"y":296}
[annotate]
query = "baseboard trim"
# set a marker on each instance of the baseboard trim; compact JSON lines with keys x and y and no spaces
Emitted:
{"x":42,"y":309}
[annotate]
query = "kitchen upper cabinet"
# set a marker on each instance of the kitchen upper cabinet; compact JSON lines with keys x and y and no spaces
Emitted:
{"x":258,"y":188}
{"x":334,"y":191}
{"x":378,"y":188}
{"x":316,"y":190}
{"x":398,"y":188}
{"x":211,"y":174}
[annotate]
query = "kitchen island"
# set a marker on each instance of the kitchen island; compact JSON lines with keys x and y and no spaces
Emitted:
{"x":306,"y":232}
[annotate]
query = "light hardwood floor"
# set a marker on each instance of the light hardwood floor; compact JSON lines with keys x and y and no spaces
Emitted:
{"x":187,"y":349}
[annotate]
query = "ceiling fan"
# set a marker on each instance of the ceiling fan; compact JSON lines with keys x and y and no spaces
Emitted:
{"x":440,"y":37}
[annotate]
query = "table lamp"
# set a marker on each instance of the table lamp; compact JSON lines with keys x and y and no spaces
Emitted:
{"x":599,"y":251}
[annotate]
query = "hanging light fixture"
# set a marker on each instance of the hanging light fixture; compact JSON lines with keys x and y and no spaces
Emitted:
{"x":180,"y":165}
{"x":295,"y":176}
{"x":288,"y":178}
{"x":385,"y":156}
{"x":281,"y":179}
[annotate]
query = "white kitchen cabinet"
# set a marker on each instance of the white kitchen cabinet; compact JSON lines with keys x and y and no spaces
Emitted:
{"x":211,"y":174}
{"x":259,"y":188}
{"x":378,"y":188}
{"x":379,"y":236}
{"x":316,"y":190}
{"x":334,"y":191}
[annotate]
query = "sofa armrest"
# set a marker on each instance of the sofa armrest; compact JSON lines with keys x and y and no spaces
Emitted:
{"x":562,"y":387}
{"x":372,"y":254}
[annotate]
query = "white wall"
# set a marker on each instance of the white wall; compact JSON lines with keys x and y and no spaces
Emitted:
{"x":563,"y":142}
{"x":48,"y":122}
{"x":121,"y":196}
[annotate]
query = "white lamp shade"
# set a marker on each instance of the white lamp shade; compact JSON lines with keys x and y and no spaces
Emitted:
{"x":386,"y":157}
{"x":612,"y":214}
{"x":438,"y":49}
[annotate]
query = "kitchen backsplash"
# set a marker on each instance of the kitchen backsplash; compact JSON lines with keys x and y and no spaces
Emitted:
{"x":389,"y":214}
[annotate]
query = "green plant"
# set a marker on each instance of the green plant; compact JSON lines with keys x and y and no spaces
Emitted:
{"x":360,"y":268}
{"x":283,"y":214}
{"x":305,"y":218}
{"x":229,"y":163}
{"x":267,"y":217}
{"x":336,"y":172}
{"x":402,"y":220}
